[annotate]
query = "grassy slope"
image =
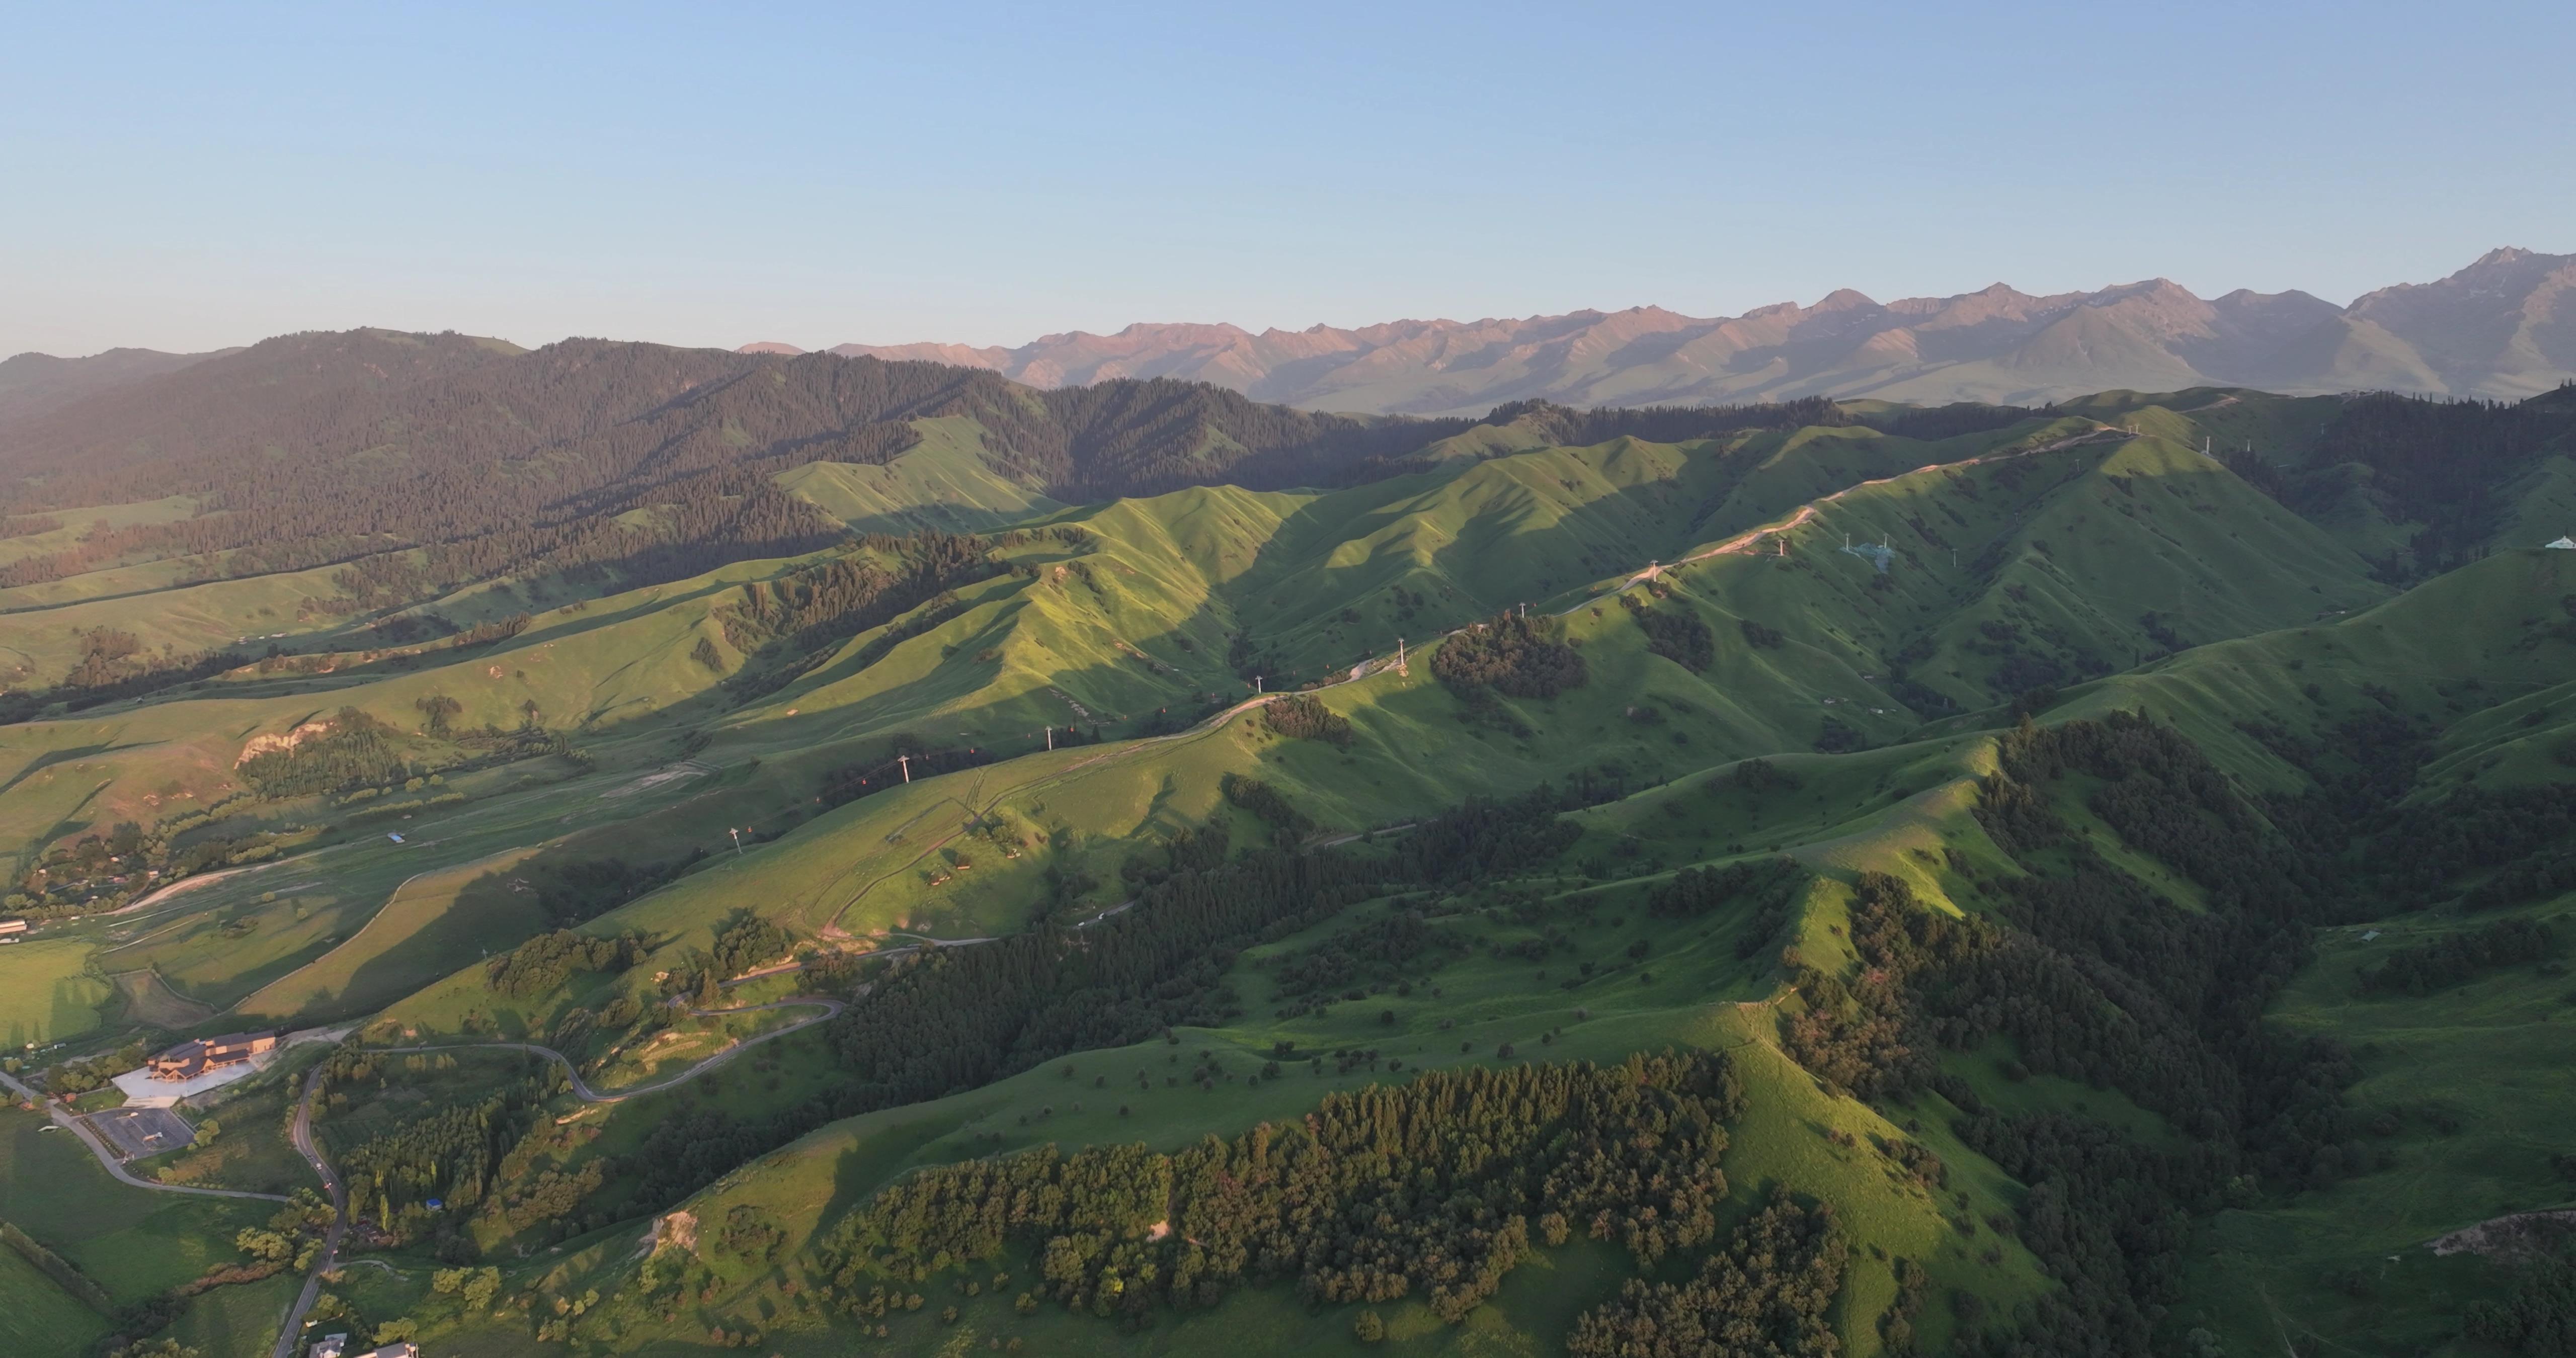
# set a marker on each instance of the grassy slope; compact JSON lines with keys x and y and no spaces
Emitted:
{"x":40,"y":645}
{"x":1196,"y":565}
{"x":1137,"y":624}
{"x":1855,"y":809}
{"x":46,"y":994}
{"x":2487,"y":634}
{"x":76,"y":522}
{"x":38,"y":1319}
{"x":941,"y":482}
{"x":2488,"y":1055}
{"x":1897,"y":809}
{"x":132,"y":1241}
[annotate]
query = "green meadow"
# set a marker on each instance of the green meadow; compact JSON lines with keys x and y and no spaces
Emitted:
{"x":643,"y":766}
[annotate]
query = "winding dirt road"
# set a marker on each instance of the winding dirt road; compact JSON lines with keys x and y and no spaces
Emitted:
{"x":586,"y":1094}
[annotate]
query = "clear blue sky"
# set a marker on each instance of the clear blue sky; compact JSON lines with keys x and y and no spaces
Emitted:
{"x":189,"y":176}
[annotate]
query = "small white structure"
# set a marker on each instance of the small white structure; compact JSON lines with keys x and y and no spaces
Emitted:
{"x":328,"y":1346}
{"x":2561,"y":545}
{"x":1878,"y":554}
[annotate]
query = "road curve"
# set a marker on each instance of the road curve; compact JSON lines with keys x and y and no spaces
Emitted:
{"x":302,"y":1135}
{"x":107,"y":1158}
{"x":582,"y":1089}
{"x":292,"y":1330}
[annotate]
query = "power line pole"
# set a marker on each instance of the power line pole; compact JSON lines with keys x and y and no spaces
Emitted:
{"x":906,"y":761}
{"x":1050,"y":737}
{"x":737,"y":841}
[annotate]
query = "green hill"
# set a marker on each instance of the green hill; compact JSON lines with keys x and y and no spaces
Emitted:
{"x":2183,"y":1015}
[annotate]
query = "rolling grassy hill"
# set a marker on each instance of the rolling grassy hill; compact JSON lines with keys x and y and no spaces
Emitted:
{"x":1729,"y":788}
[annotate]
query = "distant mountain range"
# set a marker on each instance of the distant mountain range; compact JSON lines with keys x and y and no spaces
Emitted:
{"x":2503,"y":327}
{"x":32,"y":384}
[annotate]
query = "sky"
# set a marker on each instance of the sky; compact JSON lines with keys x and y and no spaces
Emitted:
{"x":190,"y":177}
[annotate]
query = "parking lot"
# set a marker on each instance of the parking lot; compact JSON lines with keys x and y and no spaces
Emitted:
{"x":138,"y":1132}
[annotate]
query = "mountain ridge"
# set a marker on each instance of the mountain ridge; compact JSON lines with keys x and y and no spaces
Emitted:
{"x":33,"y":384}
{"x":2503,"y":327}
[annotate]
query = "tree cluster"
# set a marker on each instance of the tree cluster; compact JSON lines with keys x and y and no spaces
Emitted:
{"x":2445,"y":961}
{"x":1769,"y":1290}
{"x":1302,"y":716}
{"x":1765,"y":893}
{"x":745,"y":941}
{"x":1679,"y":637}
{"x":1432,"y":1189}
{"x":1392,"y":950}
{"x":114,"y":665}
{"x":462,"y":1154}
{"x":545,"y":962}
{"x":1287,"y":824}
{"x":2097,"y":978}
{"x":2539,"y":1316}
{"x":2435,"y":462}
{"x":1511,"y":654}
{"x":357,"y":751}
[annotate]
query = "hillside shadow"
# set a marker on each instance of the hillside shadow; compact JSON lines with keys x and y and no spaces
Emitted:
{"x":873,"y":1159}
{"x":490,"y":914}
{"x":69,"y":755}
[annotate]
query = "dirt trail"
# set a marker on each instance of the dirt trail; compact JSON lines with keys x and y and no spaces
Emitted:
{"x":581,"y":1088}
{"x":186,"y":884}
{"x":1743,"y":542}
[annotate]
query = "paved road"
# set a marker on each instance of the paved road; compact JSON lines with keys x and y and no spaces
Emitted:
{"x":72,"y":1122}
{"x":302,"y":1134}
{"x":582,"y":1090}
{"x":292,"y":1332}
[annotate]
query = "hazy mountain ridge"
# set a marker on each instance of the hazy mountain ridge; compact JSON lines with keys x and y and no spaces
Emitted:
{"x":34,"y":384}
{"x":2503,"y":327}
